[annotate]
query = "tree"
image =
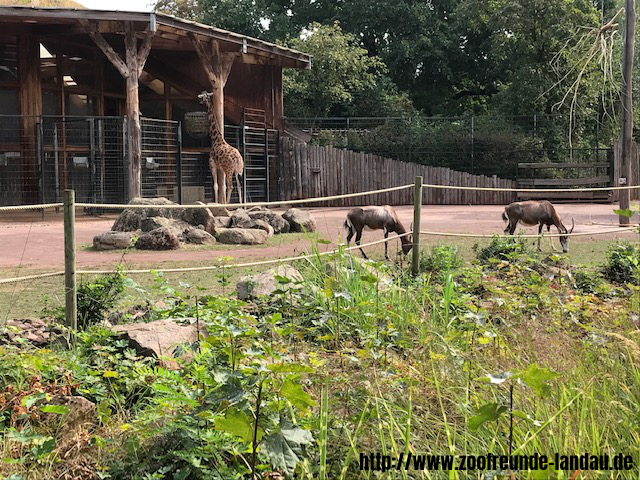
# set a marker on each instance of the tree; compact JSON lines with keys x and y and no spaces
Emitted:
{"x":341,"y":70}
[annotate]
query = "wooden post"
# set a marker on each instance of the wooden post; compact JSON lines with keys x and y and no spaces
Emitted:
{"x":70,"y":292}
{"x":133,"y":111}
{"x":130,"y":69}
{"x":627,"y":107}
{"x":415,"y":236}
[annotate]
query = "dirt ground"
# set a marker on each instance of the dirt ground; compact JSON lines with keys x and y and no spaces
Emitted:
{"x":27,"y":240}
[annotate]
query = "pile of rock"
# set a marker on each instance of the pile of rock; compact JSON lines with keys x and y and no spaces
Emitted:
{"x":33,"y":330}
{"x":158,"y":228}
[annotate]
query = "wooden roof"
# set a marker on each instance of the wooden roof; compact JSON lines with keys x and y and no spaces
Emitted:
{"x":172,"y":33}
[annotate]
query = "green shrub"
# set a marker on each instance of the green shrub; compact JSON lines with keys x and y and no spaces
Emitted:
{"x":623,"y":263}
{"x":441,"y":258}
{"x":587,"y":281}
{"x":501,"y":249}
{"x":95,"y":299}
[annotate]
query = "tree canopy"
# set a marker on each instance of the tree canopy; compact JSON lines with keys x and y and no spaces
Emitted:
{"x":443,"y":57}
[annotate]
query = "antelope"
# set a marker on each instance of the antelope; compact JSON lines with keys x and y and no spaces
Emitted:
{"x":376,"y":218}
{"x":534,"y":212}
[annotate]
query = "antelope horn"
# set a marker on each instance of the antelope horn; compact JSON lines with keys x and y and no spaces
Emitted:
{"x":573,"y":224}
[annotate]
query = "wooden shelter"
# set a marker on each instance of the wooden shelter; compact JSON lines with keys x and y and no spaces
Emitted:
{"x":70,"y":62}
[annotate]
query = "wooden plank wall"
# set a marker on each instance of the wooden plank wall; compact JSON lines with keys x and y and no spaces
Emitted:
{"x":635,"y":169}
{"x":310,"y":171}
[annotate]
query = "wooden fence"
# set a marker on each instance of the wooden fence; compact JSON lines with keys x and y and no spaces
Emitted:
{"x":309,"y":171}
{"x":635,"y":169}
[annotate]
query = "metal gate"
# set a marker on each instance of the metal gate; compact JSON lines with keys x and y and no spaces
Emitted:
{"x":161,"y":159}
{"x":86,"y":154}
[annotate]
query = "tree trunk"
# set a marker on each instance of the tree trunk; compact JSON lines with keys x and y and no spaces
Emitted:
{"x":627,"y":106}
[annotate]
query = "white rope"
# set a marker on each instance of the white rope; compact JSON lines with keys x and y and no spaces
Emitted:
{"x":579,"y":234}
{"x":543,"y":190}
{"x":248,"y":204}
{"x":40,"y":206}
{"x":200,"y":269}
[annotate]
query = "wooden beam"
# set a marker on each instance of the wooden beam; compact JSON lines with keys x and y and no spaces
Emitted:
{"x":205,"y":58}
{"x":144,"y":50}
{"x":108,"y":51}
{"x":226,"y":64}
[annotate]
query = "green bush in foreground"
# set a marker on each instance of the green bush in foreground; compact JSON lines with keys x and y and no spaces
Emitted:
{"x":441,"y":258}
{"x":623,"y":263}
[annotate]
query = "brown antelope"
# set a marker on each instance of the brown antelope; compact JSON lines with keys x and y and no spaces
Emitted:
{"x":376,"y":218}
{"x":534,"y":212}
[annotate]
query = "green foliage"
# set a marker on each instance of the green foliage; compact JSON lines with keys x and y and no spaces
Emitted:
{"x":441,"y":259}
{"x":500,"y":250}
{"x":587,"y":281}
{"x":95,"y":298}
{"x":623,"y":263}
{"x":341,"y":70}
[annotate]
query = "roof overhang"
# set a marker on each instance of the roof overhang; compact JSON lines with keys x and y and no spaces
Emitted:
{"x":171,"y":32}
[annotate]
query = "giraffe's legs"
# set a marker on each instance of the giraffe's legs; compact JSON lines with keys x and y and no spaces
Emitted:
{"x":222,"y":198}
{"x":229,"y":180}
{"x":239,"y":188}
{"x":214,"y":174}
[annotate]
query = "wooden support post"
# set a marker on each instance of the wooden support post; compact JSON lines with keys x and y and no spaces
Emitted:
{"x":130,"y":69}
{"x":70,"y":291}
{"x":627,"y":107}
{"x":415,"y":236}
{"x":133,"y":111}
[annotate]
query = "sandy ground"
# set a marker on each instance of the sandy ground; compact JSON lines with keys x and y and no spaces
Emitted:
{"x":29,"y":241}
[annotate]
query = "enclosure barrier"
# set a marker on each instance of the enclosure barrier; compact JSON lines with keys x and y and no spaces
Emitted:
{"x":69,"y":233}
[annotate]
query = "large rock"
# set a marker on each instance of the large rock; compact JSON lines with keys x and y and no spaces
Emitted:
{"x":159,"y":338}
{"x":279,"y":224}
{"x":200,"y":216}
{"x":222,"y":222}
{"x":82,"y":413}
{"x":179,"y":227}
{"x":300,"y":220}
{"x":161,"y":238}
{"x":253,"y":286}
{"x":112,"y":240}
{"x":242,"y":236}
{"x":130,"y":219}
{"x":241,"y":219}
{"x":218,"y":211}
{"x":199,"y":237}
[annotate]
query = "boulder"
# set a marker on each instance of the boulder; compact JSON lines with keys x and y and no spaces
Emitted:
{"x":262,"y":225}
{"x":199,"y":237}
{"x":222,"y":222}
{"x":241,"y":219}
{"x":279,"y":224}
{"x":161,"y":238}
{"x":200,"y":216}
{"x":299,"y":220}
{"x":253,"y":286}
{"x":242,"y":236}
{"x":111,"y":240}
{"x":130,"y":219}
{"x":82,"y":413}
{"x":159,"y":338}
{"x":177,"y":226}
{"x":218,"y":211}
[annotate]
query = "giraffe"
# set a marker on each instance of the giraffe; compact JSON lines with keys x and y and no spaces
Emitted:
{"x":225,"y":161}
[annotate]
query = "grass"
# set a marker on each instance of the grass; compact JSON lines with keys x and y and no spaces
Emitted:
{"x":17,"y":300}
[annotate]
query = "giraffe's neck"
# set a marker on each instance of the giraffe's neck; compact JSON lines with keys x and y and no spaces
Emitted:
{"x":217,"y":138}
